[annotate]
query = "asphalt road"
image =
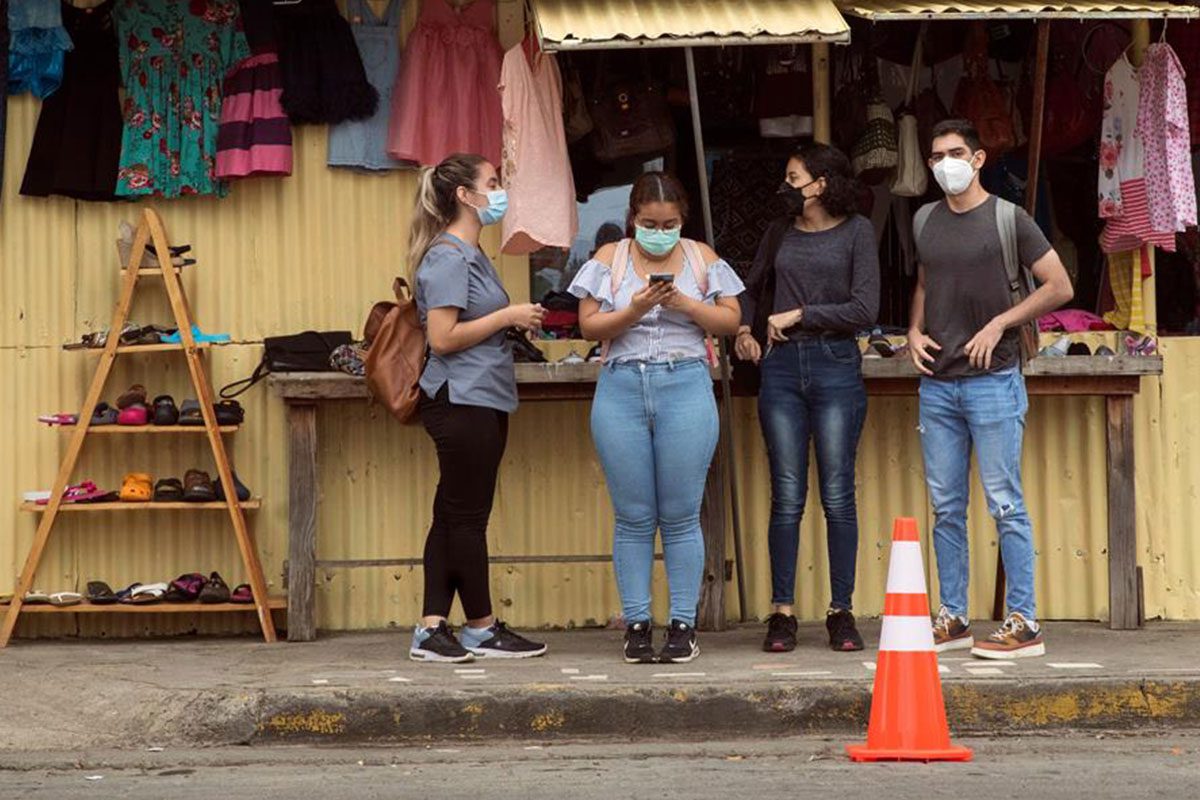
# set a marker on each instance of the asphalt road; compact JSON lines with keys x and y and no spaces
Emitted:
{"x":1096,"y":768}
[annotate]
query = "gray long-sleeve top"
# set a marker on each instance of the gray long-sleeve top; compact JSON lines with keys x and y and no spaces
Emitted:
{"x":833,"y":275}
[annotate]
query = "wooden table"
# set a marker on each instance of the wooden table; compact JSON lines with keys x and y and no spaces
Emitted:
{"x":1117,"y":379}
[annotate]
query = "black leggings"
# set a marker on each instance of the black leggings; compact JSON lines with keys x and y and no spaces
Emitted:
{"x":470,"y":442}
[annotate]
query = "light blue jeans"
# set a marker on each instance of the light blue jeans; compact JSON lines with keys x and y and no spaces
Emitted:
{"x":987,"y":411}
{"x":655,"y":427}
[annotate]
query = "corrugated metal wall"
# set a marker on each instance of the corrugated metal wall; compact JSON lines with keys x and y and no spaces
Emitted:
{"x":314,"y":251}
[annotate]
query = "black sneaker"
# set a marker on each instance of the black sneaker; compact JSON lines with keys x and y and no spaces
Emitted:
{"x":681,"y":644}
{"x":639,"y":643}
{"x":500,"y":642}
{"x":843,"y":633}
{"x":781,"y":633}
{"x":437,"y":644}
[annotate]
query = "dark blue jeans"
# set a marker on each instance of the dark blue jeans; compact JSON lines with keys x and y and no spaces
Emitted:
{"x":813,"y":390}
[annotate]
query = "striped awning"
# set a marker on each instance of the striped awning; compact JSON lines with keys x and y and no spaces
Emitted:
{"x":885,"y":10}
{"x":607,"y":24}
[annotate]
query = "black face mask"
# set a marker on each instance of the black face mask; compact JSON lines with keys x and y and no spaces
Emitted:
{"x":793,"y":197}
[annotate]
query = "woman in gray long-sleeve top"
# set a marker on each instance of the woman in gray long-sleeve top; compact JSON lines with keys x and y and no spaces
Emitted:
{"x":814,"y":285}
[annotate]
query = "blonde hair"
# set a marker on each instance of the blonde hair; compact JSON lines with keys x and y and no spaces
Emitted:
{"x":436,"y":205}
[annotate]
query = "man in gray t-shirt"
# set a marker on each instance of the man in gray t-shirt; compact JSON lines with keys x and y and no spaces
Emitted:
{"x":964,"y":340}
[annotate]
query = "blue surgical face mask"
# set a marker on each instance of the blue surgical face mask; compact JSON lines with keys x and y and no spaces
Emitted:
{"x":497,"y":205}
{"x":656,"y":242}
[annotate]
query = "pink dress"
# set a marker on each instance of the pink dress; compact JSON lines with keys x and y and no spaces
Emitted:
{"x":446,"y":99}
{"x":1163,"y":128}
{"x":536,"y":169}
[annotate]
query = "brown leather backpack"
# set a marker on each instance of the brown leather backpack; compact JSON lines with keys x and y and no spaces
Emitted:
{"x":396,"y":350}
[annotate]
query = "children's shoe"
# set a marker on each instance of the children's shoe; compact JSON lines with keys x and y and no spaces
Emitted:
{"x":438,"y":644}
{"x":843,"y":633}
{"x":1016,"y":638}
{"x":639,"y":643}
{"x":680,"y":647}
{"x":781,"y":633}
{"x":499,"y":642}
{"x":951,"y":632}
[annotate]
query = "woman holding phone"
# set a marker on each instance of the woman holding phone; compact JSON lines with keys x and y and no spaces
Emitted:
{"x":653,"y":301}
{"x":813,"y":286}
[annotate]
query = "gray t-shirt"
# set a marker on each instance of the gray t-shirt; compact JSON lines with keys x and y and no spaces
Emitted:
{"x":966,"y":286}
{"x":463,"y":277}
{"x":833,"y":275}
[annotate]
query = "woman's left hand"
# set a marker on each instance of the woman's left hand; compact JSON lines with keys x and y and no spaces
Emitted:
{"x":678,"y":301}
{"x":778,"y":324}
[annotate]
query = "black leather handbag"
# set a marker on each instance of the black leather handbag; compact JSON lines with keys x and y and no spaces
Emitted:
{"x":298,"y":352}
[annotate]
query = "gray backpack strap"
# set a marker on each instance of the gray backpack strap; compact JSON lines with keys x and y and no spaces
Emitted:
{"x":919,"y":221}
{"x":1006,"y":224}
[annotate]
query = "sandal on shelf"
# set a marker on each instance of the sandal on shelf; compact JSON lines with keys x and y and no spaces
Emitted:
{"x":34,"y":597}
{"x":58,"y":419}
{"x":137,"y":487}
{"x":198,"y":487}
{"x":136,"y":394}
{"x":146,"y":594}
{"x":185,"y":588}
{"x":215,"y":590}
{"x":230,"y":412}
{"x":104,"y":414}
{"x":100,"y":593}
{"x":165,"y":412}
{"x":199,"y":336}
{"x":168,"y":490}
{"x":78,"y":493}
{"x":241,"y":490}
{"x":124,"y":595}
{"x":190,"y":413}
{"x":242,"y":594}
{"x":64,"y":599}
{"x":135,"y":415}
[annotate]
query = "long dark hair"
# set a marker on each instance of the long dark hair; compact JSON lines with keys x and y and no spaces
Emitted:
{"x":842,"y":191}
{"x":436,"y":205}
{"x":655,"y":187}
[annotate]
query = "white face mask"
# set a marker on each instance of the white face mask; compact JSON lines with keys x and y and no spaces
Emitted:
{"x":954,"y":175}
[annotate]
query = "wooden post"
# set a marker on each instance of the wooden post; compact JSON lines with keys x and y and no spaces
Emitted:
{"x":822,"y":101}
{"x":1122,"y":517}
{"x":711,"y":616}
{"x":302,"y":521}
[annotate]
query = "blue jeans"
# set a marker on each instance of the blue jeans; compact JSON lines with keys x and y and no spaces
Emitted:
{"x":987,"y":411}
{"x":655,"y":427}
{"x":813,"y":390}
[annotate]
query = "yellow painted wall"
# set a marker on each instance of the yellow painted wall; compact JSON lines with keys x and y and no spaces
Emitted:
{"x":314,"y":251}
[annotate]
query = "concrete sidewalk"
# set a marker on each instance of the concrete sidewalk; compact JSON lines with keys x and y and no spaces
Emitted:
{"x":361,"y":688}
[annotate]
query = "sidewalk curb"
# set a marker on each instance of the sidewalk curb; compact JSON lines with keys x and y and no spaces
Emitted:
{"x":557,"y":712}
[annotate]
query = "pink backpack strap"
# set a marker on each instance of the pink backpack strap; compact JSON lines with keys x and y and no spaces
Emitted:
{"x":620,"y":264}
{"x":695,"y":259}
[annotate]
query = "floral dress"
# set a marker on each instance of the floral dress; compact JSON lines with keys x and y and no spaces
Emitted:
{"x":174,"y":56}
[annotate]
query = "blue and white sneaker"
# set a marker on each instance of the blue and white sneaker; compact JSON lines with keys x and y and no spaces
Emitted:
{"x":437,"y":644}
{"x":499,"y":642}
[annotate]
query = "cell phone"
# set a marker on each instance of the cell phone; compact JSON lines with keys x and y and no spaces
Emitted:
{"x":662,"y":277}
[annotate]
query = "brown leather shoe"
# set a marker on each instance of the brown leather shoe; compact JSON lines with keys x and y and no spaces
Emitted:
{"x":198,"y":487}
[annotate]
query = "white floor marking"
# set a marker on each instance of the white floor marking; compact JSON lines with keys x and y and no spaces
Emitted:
{"x":809,"y":674}
{"x":479,"y":671}
{"x":569,"y":671}
{"x":942,"y":668}
{"x":398,"y":679}
{"x":589,"y":677}
{"x":870,"y":665}
{"x":447,"y":750}
{"x":534,"y":747}
{"x":473,"y":677}
{"x":320,"y":681}
{"x":1069,"y":665}
{"x":985,"y":671}
{"x":679,"y":674}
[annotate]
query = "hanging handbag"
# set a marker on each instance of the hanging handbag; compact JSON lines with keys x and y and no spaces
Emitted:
{"x":981,"y":100}
{"x":849,"y":105}
{"x":577,"y":122}
{"x":630,"y":116}
{"x":912,"y":176}
{"x":396,"y":354}
{"x":309,"y":351}
{"x":875,"y":152}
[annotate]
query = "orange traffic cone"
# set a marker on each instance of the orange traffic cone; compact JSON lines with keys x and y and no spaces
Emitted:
{"x":908,"y":715}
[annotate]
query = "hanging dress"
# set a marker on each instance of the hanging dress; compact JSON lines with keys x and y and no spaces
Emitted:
{"x":446,"y":98}
{"x":323,"y":76}
{"x":363,"y":143}
{"x":255,"y":137}
{"x":174,"y":56}
{"x":1162,"y":126}
{"x":77,"y":144}
{"x":38,"y":47}
{"x":535,"y":167}
{"x":1122,"y":179}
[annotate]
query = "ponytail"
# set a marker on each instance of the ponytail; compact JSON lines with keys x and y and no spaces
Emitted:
{"x":436,"y":205}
